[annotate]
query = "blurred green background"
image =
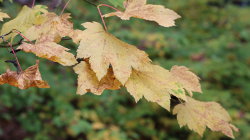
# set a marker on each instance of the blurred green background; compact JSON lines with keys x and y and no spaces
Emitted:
{"x":212,"y":38}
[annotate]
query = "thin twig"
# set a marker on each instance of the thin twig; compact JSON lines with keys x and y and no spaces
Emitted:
{"x":100,"y":13}
{"x":14,"y":53}
{"x":103,"y":21}
{"x":13,"y":45}
{"x":65,"y":6}
{"x":18,"y":32}
{"x":110,"y":7}
{"x":21,"y":40}
{"x":33,"y":3}
{"x":15,"y":31}
{"x":5,"y":34}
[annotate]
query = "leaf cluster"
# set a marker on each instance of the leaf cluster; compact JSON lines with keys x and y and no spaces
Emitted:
{"x":109,"y":63}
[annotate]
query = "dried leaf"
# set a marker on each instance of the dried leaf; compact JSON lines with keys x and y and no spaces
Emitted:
{"x":53,"y":29}
{"x":76,"y":36}
{"x":88,"y":82}
{"x":187,"y":79}
{"x":50,"y":51}
{"x":103,"y":50}
{"x":3,"y":15}
{"x":197,"y":115}
{"x":31,"y":77}
{"x":24,"y":20}
{"x":139,"y":9}
{"x":155,"y":84}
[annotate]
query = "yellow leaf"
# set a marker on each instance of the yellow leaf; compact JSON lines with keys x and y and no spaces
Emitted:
{"x":141,"y":85}
{"x":53,"y":29}
{"x":103,"y":50}
{"x":88,"y":82}
{"x":3,"y":15}
{"x":139,"y":9}
{"x":50,"y":51}
{"x":197,"y":115}
{"x":31,"y":77}
{"x":24,"y":20}
{"x":155,"y":84}
{"x":76,"y":36}
{"x":186,"y":79}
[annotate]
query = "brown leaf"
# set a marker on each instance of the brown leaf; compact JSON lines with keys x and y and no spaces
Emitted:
{"x":197,"y":115}
{"x":139,"y":9}
{"x":31,"y":77}
{"x":88,"y":82}
{"x":103,"y":50}
{"x":50,"y":51}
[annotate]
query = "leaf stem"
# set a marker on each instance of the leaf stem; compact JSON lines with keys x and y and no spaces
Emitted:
{"x":103,"y":21}
{"x":100,"y":13}
{"x":15,"y":31}
{"x":14,"y":53}
{"x":13,"y":45}
{"x":65,"y":6}
{"x":18,"y":32}
{"x":106,"y":5}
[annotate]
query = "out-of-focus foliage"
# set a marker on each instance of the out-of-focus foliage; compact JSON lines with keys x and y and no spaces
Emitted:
{"x":212,"y":38}
{"x":116,"y":2}
{"x":3,"y":0}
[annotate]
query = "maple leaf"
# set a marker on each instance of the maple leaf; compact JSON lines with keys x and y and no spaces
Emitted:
{"x":155,"y":84}
{"x":139,"y":9}
{"x":88,"y":82}
{"x":197,"y":115}
{"x":24,"y":20}
{"x":53,"y":29}
{"x":31,"y":77}
{"x":3,"y":15}
{"x":103,"y":50}
{"x":150,"y":85}
{"x":50,"y":51}
{"x":187,"y":79}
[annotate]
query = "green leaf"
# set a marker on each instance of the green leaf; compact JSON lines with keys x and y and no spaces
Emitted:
{"x":80,"y":126}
